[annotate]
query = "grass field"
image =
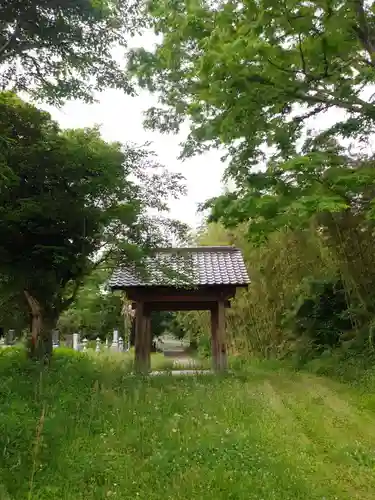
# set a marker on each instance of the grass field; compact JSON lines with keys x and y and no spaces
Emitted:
{"x":125,"y":360}
{"x":87,"y":430}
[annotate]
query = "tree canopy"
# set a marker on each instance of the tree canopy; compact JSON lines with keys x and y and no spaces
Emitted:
{"x":95,"y":312}
{"x":63,"y":48}
{"x":287,"y":88}
{"x":254,"y":77}
{"x":250,"y":74}
{"x":69,"y":201}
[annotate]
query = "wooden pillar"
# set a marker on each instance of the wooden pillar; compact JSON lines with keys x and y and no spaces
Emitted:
{"x":218,"y":341}
{"x":147,"y":316}
{"x":142,"y":344}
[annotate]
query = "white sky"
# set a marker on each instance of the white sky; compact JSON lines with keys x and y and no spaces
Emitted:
{"x":120,"y":117}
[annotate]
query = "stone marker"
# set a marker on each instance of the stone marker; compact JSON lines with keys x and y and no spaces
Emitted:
{"x":120,"y":344}
{"x":97,"y":348}
{"x":114,"y":345}
{"x":9,"y":337}
{"x":68,"y":340}
{"x":76,"y":341}
{"x":55,"y":338}
{"x":84,"y":344}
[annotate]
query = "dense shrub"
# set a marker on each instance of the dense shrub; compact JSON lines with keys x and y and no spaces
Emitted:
{"x":321,"y":313}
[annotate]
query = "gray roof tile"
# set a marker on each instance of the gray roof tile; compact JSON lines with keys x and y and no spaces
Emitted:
{"x":186,"y":267}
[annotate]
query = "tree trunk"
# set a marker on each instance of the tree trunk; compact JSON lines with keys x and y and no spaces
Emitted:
{"x":193,"y":344}
{"x":40,"y":341}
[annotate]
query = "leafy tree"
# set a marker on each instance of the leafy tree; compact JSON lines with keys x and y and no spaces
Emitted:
{"x":324,"y":180}
{"x":321,"y":313}
{"x":69,"y":202}
{"x":14,"y":313}
{"x":250,"y":74}
{"x":95,"y":312}
{"x":161,"y":322}
{"x":254,"y":76}
{"x":63,"y":48}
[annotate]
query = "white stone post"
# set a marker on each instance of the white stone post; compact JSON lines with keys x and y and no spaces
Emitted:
{"x":114,"y":345}
{"x":97,"y":348}
{"x":76,"y":341}
{"x":106,"y":343}
{"x":55,"y":338}
{"x":120,"y":344}
{"x":84,"y":344}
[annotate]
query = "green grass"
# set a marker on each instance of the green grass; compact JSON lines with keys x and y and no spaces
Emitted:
{"x":86,"y":429}
{"x":125,"y":360}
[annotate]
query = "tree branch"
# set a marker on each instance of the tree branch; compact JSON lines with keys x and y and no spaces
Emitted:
{"x":64,"y":304}
{"x":32,"y":302}
{"x":315,"y":111}
{"x":302,"y":56}
{"x":10,"y":40}
{"x":37,"y":70}
{"x":363,"y":30}
{"x":79,"y":281}
{"x":285,"y":70}
{"x":318,"y":98}
{"x":325,"y":59}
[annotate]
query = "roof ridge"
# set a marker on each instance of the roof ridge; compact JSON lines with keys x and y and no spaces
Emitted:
{"x":202,"y":248}
{"x":189,"y":266}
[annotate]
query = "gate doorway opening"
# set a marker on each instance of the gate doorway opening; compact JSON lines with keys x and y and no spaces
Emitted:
{"x":183,"y":279}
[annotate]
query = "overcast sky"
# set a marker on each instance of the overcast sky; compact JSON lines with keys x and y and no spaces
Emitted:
{"x":121,"y":117}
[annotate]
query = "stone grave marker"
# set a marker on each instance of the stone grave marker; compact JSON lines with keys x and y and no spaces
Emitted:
{"x":55,"y":338}
{"x":10,"y":337}
{"x":84,"y":344}
{"x":69,"y":340}
{"x":97,"y":347}
{"x":76,"y":345}
{"x":114,"y":345}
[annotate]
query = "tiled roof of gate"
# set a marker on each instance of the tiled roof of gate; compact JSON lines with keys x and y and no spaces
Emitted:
{"x":184,"y":267}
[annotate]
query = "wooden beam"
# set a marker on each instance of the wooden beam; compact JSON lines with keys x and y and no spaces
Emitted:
{"x":214,"y":341}
{"x":222,"y":337}
{"x":142,"y":346}
{"x":163,"y":294}
{"x":180,"y":306}
{"x":148,"y":339}
{"x":218,"y":342}
{"x":179,"y":297}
